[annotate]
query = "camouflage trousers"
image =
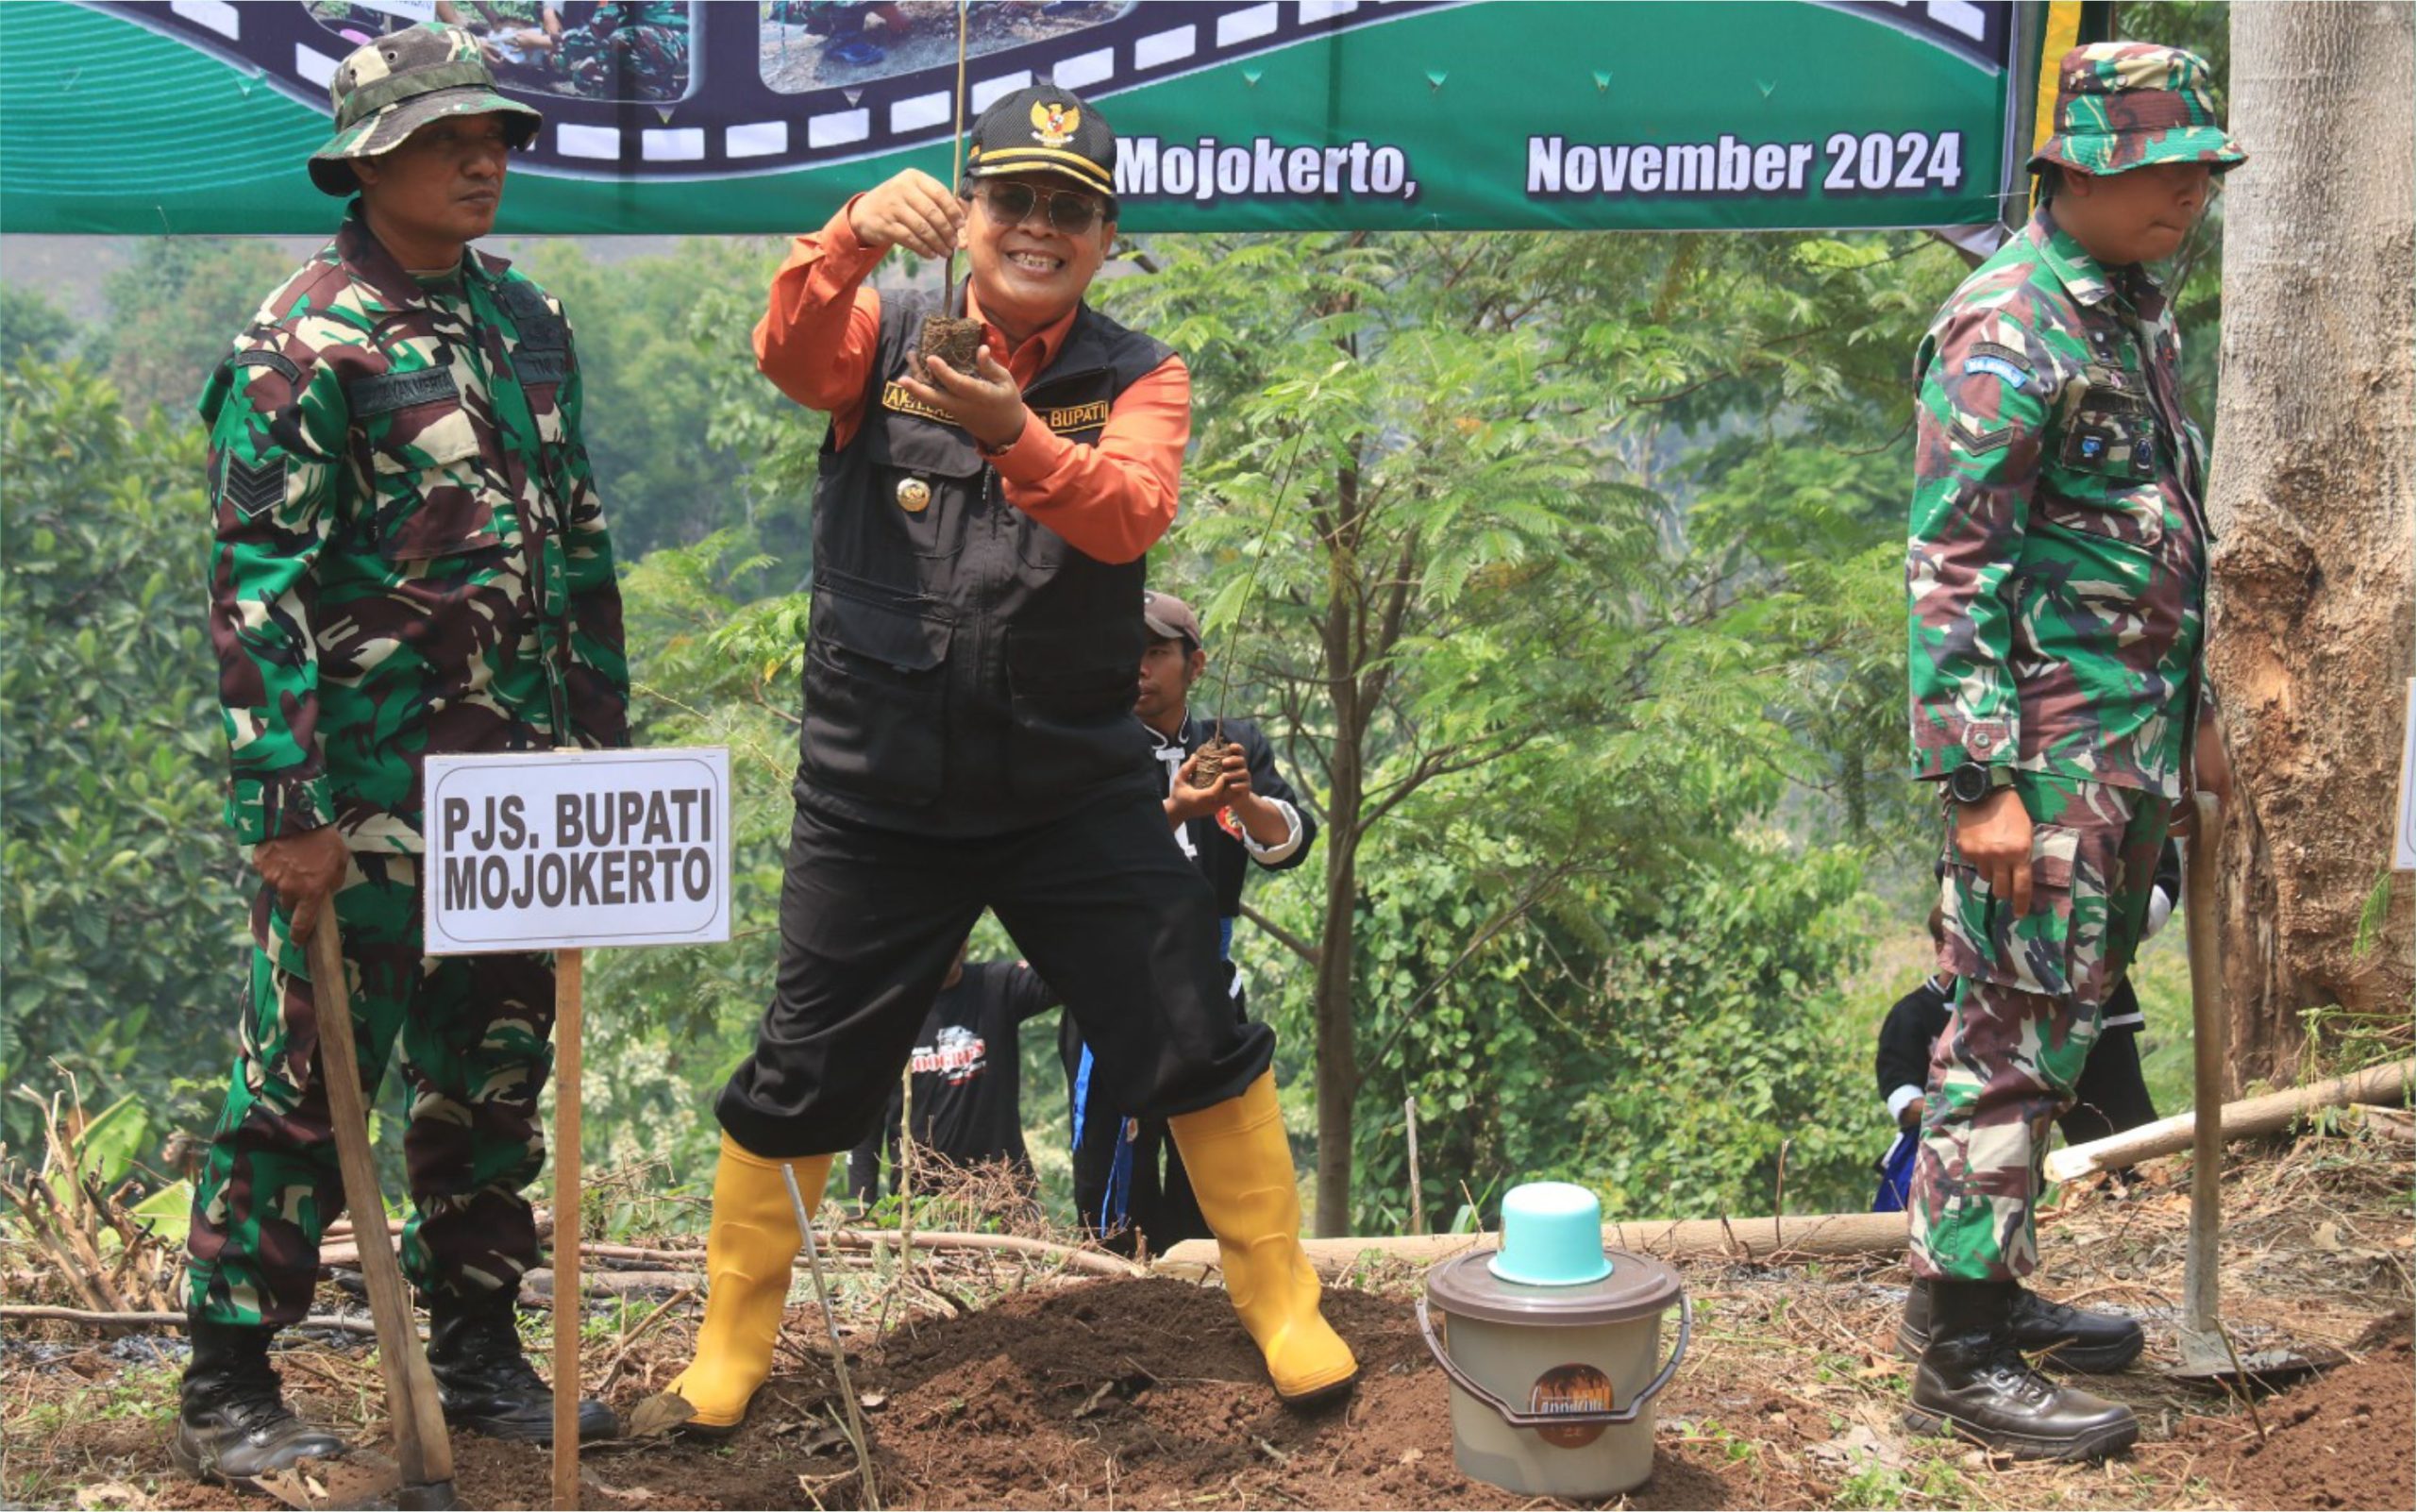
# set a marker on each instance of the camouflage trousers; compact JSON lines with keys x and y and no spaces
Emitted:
{"x":2031,"y":990}
{"x":475,"y":1034}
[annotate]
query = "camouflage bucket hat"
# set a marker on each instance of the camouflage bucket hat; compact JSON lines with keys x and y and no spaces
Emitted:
{"x":2121,"y":105}
{"x":388,"y":89}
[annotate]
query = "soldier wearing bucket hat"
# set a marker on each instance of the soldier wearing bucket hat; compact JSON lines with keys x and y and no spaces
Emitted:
{"x":2055,"y":574}
{"x":390,"y":87}
{"x":409,"y":560}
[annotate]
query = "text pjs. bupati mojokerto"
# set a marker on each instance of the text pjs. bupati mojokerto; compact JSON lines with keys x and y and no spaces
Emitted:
{"x":593,"y":849}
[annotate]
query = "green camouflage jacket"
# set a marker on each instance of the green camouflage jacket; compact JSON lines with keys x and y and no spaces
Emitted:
{"x":2057,"y":567}
{"x":411,"y":557}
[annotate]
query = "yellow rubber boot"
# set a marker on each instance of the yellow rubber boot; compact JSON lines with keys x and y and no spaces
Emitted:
{"x":748,"y":1254}
{"x":1241,"y":1172}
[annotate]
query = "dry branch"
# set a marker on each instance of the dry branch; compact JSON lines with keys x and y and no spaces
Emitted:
{"x":26,"y":1313}
{"x":1095,"y":1262}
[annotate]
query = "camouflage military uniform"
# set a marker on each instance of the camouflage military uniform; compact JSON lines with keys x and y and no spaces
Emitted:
{"x":411,"y":558}
{"x":629,"y":51}
{"x":2057,"y":578}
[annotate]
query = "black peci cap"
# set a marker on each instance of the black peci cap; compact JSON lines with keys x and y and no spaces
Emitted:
{"x":1045,"y":129}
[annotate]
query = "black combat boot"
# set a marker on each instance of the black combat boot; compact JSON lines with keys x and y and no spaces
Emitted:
{"x":233,"y":1424}
{"x":1973,"y":1382}
{"x":485,"y":1380}
{"x":2074,"y":1338}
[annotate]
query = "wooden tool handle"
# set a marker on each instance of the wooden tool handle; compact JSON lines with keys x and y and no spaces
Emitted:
{"x":2210,"y":1029}
{"x":422,"y":1450}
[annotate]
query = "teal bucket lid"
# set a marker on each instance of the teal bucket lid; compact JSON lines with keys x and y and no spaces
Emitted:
{"x":1552,"y":1235}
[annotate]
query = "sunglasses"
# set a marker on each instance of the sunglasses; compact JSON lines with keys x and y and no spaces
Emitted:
{"x":1068,"y":211}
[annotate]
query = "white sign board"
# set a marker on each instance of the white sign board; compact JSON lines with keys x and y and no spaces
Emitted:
{"x":560,"y":850}
{"x":2403,"y":855}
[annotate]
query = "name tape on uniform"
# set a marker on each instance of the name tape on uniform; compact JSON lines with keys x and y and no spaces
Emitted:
{"x":563,"y":850}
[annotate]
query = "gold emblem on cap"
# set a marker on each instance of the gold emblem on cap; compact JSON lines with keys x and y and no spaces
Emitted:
{"x":914,"y":495}
{"x":1053,"y":123}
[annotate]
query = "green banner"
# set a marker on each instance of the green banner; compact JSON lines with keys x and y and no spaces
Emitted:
{"x":195,"y":116}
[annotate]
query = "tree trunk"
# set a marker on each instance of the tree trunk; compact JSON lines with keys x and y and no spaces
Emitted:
{"x":2314,"y":580}
{"x":1337,"y":1046}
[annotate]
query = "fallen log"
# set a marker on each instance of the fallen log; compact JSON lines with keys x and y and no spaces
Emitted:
{"x":2389,"y":1084}
{"x":1749,"y":1238}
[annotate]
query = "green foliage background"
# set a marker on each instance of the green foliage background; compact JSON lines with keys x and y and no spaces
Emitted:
{"x":1655,"y":486}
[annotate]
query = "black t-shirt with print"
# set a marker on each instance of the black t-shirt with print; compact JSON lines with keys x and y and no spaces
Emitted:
{"x":968,"y":1104}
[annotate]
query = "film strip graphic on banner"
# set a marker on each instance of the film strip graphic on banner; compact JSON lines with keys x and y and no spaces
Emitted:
{"x":1978,"y":33}
{"x":699,"y":90}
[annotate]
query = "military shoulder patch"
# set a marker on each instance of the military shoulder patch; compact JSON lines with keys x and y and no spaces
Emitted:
{"x":275,"y":362}
{"x":253,"y":488}
{"x":388,"y":392}
{"x":522,"y":299}
{"x":2001,"y":363}
{"x":537,"y":323}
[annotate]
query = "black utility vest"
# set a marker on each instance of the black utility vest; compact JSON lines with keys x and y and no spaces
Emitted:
{"x":967,"y":672}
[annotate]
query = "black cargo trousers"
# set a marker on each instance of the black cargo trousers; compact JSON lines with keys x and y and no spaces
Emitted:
{"x":1101,"y":900}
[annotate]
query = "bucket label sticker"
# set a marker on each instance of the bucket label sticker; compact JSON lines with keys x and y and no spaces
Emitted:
{"x":1571,"y":1388}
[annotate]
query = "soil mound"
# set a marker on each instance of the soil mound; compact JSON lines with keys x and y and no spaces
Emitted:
{"x":1142,"y":1393}
{"x":2340,"y":1440}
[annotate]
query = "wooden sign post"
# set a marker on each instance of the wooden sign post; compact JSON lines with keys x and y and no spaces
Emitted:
{"x":565,"y":851}
{"x":570,"y":968}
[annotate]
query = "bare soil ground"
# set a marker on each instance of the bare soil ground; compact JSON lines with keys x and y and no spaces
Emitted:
{"x":994,"y":1385}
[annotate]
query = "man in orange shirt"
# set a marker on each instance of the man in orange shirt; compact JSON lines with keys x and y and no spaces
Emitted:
{"x":968,"y":737}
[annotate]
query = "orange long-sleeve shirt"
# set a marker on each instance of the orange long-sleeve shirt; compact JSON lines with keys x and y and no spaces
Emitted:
{"x":1111,"y":500}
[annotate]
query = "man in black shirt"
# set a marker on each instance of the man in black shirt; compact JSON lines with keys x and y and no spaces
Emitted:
{"x":968,"y":1098}
{"x":1129,"y":1182}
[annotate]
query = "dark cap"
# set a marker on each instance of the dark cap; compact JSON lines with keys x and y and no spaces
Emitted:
{"x":386,"y":89}
{"x":1045,"y":129}
{"x":1169,"y":618}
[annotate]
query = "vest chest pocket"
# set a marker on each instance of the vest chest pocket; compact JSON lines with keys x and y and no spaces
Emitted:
{"x":923,"y":475}
{"x":430,"y":496}
{"x":875,"y":695}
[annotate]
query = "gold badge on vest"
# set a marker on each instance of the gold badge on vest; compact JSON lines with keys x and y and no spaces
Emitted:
{"x":914,"y":495}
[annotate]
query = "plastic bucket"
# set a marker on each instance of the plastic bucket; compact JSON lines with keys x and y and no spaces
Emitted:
{"x":1552,"y":1385}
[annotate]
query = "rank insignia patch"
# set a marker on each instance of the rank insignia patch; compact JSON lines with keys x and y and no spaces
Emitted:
{"x":253,"y":487}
